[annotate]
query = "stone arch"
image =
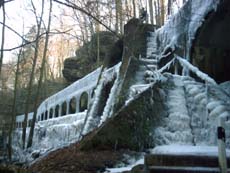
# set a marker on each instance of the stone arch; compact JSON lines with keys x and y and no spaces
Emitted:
{"x":72,"y":105}
{"x":83,"y":103}
{"x":63,"y":108}
{"x":57,"y":110}
{"x":46,"y":115}
{"x":51,"y":113}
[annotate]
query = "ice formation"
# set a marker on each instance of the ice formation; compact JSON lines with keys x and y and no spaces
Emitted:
{"x":193,"y":107}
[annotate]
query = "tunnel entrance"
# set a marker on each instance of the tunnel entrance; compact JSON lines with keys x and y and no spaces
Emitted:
{"x":211,"y":48}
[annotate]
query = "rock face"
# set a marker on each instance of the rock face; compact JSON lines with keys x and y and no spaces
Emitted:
{"x":86,"y":59}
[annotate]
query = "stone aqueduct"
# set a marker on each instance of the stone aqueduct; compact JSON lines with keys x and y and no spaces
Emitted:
{"x":73,"y":99}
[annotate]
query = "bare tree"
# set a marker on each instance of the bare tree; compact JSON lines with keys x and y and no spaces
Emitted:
{"x":39,"y":23}
{"x":134,"y":8}
{"x":3,"y":35}
{"x":30,"y":139}
{"x":151,"y":11}
{"x":162,"y":9}
{"x":13,"y":114}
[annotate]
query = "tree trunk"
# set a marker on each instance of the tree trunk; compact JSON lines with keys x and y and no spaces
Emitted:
{"x":156,"y":14}
{"x":98,"y":35}
{"x":162,"y":12}
{"x":151,"y":11}
{"x":134,"y":9}
{"x":32,"y":77}
{"x":13,"y":108}
{"x":3,"y":35}
{"x":169,"y":7}
{"x":31,"y":134}
{"x":119,"y":22}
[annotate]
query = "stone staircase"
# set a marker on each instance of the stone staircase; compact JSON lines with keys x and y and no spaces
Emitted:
{"x":186,"y":163}
{"x":146,"y":72}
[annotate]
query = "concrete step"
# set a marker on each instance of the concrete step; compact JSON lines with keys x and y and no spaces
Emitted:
{"x":185,"y":160}
{"x":160,"y":169}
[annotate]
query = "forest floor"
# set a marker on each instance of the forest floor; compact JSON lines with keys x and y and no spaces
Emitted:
{"x":72,"y":160}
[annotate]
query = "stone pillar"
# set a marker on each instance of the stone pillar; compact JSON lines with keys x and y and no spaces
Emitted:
{"x":59,"y":112}
{"x":77,"y":104}
{"x":53,"y":116}
{"x":67,"y":107}
{"x":48,"y":114}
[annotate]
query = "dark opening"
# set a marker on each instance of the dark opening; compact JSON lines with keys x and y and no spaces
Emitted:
{"x":211,"y":48}
{"x":46,"y":115}
{"x":51,"y":113}
{"x":104,"y":96}
{"x":57,"y":111}
{"x":83,"y":102}
{"x":72,"y":106}
{"x":42,"y":117}
{"x":63,"y":109}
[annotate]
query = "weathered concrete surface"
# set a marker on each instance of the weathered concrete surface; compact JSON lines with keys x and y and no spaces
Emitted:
{"x":132,"y":125}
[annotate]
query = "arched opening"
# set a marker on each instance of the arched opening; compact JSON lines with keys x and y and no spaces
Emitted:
{"x":42,"y":117}
{"x":63,"y":108}
{"x":51,"y":113}
{"x":211,"y":50}
{"x":46,"y":115}
{"x":72,"y":106}
{"x":39,"y":118}
{"x":83,"y":105}
{"x":57,"y":111}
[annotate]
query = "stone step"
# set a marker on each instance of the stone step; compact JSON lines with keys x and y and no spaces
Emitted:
{"x":184,"y":160}
{"x":151,"y":67}
{"x":148,"y":60}
{"x":160,"y":169}
{"x":152,"y":44}
{"x":152,"y":57}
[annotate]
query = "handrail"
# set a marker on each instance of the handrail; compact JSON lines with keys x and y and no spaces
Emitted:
{"x":221,"y":123}
{"x":195,"y":70}
{"x":185,"y":64}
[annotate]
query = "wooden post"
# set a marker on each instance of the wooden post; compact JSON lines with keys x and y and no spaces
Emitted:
{"x":221,"y":146}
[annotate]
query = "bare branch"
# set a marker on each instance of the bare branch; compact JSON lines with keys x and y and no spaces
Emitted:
{"x":30,"y":42}
{"x":11,"y":29}
{"x":74,"y":6}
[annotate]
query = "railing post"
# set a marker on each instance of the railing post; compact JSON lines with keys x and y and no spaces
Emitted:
{"x":221,"y":145}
